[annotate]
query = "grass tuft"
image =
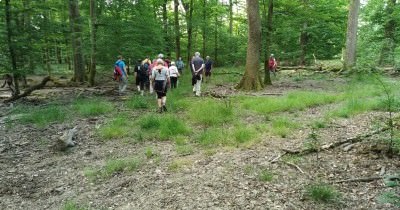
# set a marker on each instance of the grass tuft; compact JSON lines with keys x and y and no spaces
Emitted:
{"x":211,"y":113}
{"x":266,"y":176}
{"x":42,"y":117}
{"x":119,"y":127}
{"x":322,"y":193}
{"x":92,"y":107}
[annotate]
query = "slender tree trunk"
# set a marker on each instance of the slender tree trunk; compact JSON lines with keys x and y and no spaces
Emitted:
{"x":204,"y":24}
{"x":177,"y":29}
{"x":251,"y":80}
{"x":189,"y":8}
{"x":76,"y":30}
{"x":93,"y":51}
{"x":216,"y":40}
{"x":389,"y":43}
{"x":268,"y":39}
{"x":165,"y":27}
{"x":303,"y":44}
{"x":351,"y":36}
{"x":230,"y":17}
{"x":11,"y":47}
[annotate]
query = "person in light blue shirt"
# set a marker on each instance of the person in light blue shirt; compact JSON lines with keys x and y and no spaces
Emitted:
{"x":123,"y":81}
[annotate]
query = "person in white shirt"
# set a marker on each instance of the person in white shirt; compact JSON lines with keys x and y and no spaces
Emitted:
{"x":173,"y":75}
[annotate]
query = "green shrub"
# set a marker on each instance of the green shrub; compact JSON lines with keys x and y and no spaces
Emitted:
{"x":171,"y":126}
{"x":266,"y":176}
{"x":322,"y":193}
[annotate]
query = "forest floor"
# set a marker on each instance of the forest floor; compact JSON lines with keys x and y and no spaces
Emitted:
{"x":168,"y":174}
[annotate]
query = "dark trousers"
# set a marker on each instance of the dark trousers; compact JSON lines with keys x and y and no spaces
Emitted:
{"x":174,"y":81}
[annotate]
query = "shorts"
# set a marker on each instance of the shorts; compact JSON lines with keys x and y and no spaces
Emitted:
{"x":208,"y":73}
{"x":160,"y":87}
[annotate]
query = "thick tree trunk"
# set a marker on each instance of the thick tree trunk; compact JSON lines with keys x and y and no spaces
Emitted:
{"x":177,"y":29}
{"x":389,"y":44}
{"x":76,"y":30}
{"x":251,"y":80}
{"x":268,"y":39}
{"x":351,"y":36}
{"x":11,"y":47}
{"x":93,"y":30}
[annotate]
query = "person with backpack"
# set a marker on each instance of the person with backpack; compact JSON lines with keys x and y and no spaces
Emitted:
{"x":160,"y":78}
{"x":140,"y":75}
{"x":173,"y":74}
{"x":272,"y":64}
{"x":120,"y":74}
{"x":180,"y":65}
{"x":198,"y":67}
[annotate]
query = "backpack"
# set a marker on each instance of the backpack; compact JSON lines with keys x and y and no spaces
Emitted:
{"x":117,"y":72}
{"x":144,"y":69}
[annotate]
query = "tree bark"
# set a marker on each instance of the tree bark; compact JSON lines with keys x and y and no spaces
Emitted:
{"x":303,"y":44}
{"x":351,"y":36}
{"x":204,"y":24}
{"x":251,"y":80}
{"x":230,"y":17}
{"x":268,"y":39}
{"x":11,"y":47}
{"x":389,"y":44}
{"x":189,"y":9}
{"x":76,"y":30}
{"x":93,"y":31}
{"x":177,"y":29}
{"x":165,"y":27}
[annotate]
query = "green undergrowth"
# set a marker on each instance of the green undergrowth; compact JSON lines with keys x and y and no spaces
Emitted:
{"x":113,"y":167}
{"x":92,"y":107}
{"x":43,"y":116}
{"x":72,"y":205}
{"x":140,"y":102}
{"x":119,"y":127}
{"x":209,"y":112}
{"x":322,"y":193}
{"x":293,"y":101}
{"x":162,"y":127}
{"x":283,"y":126}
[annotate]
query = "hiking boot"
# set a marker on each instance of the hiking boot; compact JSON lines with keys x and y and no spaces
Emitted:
{"x":164,"y":108}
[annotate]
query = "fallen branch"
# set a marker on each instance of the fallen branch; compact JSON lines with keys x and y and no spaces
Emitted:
{"x":364,"y":179}
{"x":29,"y":90}
{"x":335,"y":144}
{"x":295,"y":166}
{"x":278,"y":157}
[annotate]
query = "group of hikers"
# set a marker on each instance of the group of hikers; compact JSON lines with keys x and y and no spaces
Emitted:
{"x":159,"y":74}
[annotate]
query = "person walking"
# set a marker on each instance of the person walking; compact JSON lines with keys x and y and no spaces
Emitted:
{"x":272,"y":64}
{"x":123,"y":79}
{"x":208,"y":67}
{"x":198,"y":67}
{"x":180,"y":65}
{"x":160,"y":78}
{"x":173,"y":74}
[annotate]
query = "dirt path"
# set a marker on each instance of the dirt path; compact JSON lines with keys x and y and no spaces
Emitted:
{"x":35,"y":176}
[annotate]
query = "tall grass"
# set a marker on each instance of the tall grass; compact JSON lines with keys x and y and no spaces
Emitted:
{"x":211,"y":113}
{"x":92,"y":107}
{"x":119,"y":127}
{"x":163,"y":127}
{"x":42,"y":117}
{"x":295,"y":100}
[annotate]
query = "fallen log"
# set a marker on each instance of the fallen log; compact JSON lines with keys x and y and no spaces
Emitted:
{"x":29,"y":90}
{"x":335,"y":144}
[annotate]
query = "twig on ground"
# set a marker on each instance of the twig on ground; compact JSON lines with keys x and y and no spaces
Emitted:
{"x":278,"y":157}
{"x":364,"y":179}
{"x":294,"y":165}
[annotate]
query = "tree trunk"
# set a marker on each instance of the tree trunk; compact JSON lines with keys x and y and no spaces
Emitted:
{"x":204,"y":24}
{"x":251,"y":80}
{"x":216,"y":40}
{"x":230,"y":17}
{"x":11,"y":47}
{"x":303,"y":44}
{"x":93,"y":30}
{"x":165,"y":27}
{"x":351,"y":36}
{"x":389,"y":44}
{"x":189,"y":8}
{"x":76,"y":30}
{"x":177,"y":29}
{"x":268,"y":39}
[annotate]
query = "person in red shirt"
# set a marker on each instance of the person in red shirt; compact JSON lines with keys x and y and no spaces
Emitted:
{"x":272,"y":64}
